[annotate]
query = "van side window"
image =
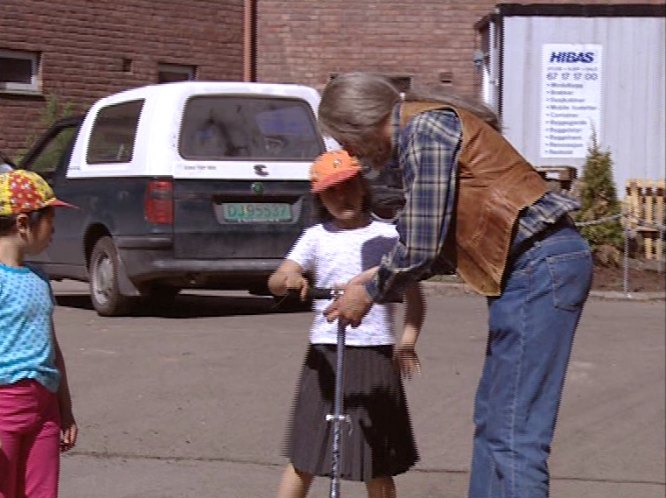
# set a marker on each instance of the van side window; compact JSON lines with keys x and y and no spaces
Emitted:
{"x":114,"y":132}
{"x":217,"y":127}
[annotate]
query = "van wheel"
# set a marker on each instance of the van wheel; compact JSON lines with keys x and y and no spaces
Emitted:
{"x":104,"y":291}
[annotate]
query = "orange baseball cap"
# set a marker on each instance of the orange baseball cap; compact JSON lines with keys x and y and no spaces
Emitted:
{"x":24,"y":191}
{"x":331,"y":168}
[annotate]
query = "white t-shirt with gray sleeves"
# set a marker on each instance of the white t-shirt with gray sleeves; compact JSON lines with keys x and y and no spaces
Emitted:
{"x":334,"y":256}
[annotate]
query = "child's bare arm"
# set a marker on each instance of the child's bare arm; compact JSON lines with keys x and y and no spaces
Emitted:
{"x":406,"y":355}
{"x":68,"y":427}
{"x":414,"y":314}
{"x":289,"y":275}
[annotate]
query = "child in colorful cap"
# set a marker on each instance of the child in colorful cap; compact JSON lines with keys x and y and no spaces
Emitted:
{"x":24,"y":191}
{"x":379,"y":443}
{"x":36,"y":418}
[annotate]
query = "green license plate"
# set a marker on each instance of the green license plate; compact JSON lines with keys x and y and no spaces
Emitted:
{"x":256,"y":212}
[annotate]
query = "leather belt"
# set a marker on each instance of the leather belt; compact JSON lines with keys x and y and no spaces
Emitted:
{"x":563,"y":221}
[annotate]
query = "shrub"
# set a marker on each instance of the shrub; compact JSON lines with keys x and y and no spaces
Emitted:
{"x":53,"y":111}
{"x":599,"y":200}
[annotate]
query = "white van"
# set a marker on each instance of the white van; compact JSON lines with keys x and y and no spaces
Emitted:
{"x":180,"y":185}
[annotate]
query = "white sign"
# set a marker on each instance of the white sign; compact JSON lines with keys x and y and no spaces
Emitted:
{"x":570,"y":99}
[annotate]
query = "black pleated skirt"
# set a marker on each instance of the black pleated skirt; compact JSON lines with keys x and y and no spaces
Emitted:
{"x":378,"y":442}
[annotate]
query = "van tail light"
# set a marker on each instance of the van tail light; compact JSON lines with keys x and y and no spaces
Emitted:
{"x":158,"y":204}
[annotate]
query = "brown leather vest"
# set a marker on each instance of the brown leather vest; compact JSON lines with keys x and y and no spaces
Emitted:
{"x":494,"y":183}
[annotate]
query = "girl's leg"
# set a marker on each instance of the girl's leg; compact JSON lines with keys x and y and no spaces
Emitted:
{"x":294,"y":484}
{"x":42,"y":451}
{"x":19,"y":406}
{"x":9,"y":463}
{"x":381,"y":487}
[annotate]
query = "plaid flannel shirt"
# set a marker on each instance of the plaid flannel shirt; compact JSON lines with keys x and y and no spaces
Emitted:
{"x":427,"y":150}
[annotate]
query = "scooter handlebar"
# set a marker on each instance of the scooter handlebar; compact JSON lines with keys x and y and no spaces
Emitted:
{"x":321,"y":293}
{"x":318,"y":293}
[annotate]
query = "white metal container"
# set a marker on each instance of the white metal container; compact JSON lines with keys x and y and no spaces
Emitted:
{"x":558,"y":73}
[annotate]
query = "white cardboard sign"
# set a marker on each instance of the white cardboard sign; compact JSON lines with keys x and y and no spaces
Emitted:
{"x":570,"y":99}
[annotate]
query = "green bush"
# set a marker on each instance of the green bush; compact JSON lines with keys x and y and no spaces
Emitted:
{"x":599,"y":200}
{"x":53,"y":111}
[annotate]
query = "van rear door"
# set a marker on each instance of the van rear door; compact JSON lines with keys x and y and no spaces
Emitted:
{"x":242,"y":188}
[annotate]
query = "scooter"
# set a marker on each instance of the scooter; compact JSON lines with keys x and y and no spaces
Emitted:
{"x":337,"y":418}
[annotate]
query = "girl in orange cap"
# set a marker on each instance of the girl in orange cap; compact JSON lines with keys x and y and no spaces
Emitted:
{"x":379,"y":444}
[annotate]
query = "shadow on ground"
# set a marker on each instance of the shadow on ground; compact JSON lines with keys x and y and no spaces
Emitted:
{"x":194,"y":306}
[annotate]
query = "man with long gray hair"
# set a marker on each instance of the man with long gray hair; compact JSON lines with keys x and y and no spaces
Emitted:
{"x":474,"y":205}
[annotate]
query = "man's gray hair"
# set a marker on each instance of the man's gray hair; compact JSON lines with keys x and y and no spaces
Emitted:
{"x":354,"y":105}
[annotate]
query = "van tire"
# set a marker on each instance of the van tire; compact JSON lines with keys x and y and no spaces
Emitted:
{"x":104,"y":288}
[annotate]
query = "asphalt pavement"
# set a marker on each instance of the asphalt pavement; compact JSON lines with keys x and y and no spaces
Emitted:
{"x":191,"y":400}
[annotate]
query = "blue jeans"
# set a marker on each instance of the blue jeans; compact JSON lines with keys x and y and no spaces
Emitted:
{"x":532,"y":327}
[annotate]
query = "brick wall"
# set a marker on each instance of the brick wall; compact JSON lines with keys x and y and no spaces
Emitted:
{"x":421,"y":39}
{"x":424,"y":39}
{"x":84,"y":42}
{"x":91,"y":48}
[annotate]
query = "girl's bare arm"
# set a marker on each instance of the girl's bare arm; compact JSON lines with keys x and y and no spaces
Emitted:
{"x":69,"y":429}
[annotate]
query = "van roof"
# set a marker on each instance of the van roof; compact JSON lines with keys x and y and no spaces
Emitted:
{"x":155,"y":150}
{"x":184,"y":89}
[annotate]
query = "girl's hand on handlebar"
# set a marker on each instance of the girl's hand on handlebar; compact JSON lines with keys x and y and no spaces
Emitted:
{"x":297,"y":283}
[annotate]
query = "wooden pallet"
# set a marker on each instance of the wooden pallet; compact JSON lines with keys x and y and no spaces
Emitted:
{"x":644,"y":210}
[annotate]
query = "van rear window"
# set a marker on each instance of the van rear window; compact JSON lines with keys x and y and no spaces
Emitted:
{"x":114,"y":132}
{"x":217,"y":127}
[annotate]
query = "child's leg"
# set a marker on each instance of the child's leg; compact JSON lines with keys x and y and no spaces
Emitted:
{"x":43,"y":462}
{"x":294,"y":484}
{"x":381,"y":487}
{"x":20,"y":406}
{"x":9,"y":463}
{"x":42,"y":449}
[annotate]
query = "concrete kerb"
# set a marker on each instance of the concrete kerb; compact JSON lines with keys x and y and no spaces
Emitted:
{"x":433,"y":288}
{"x":436,"y":288}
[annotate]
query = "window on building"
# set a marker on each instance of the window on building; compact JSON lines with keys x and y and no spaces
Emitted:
{"x":486,"y":58}
{"x":19,"y":70}
{"x":402,"y":83}
{"x":126,"y":65}
{"x":114,"y":132}
{"x":167,"y":73}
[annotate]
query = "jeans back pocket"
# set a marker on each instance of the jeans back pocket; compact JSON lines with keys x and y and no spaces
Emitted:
{"x":571,"y":274}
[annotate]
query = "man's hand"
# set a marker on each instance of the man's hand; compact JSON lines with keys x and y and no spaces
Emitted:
{"x":351,"y":307}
